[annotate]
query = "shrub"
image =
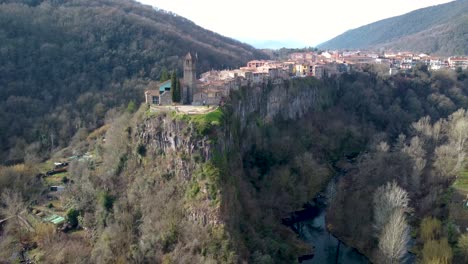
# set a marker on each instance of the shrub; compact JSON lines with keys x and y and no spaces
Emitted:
{"x":194,"y":189}
{"x":72,"y":217}
{"x":106,"y":201}
{"x":44,"y":233}
{"x":131,"y":107}
{"x":170,"y":237}
{"x":435,"y":251}
{"x":463,"y":245}
{"x":430,"y":229}
{"x":141,"y":150}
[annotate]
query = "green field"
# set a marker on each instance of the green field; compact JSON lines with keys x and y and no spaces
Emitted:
{"x":458,"y":208}
{"x":461,"y":183}
{"x":55,"y":179}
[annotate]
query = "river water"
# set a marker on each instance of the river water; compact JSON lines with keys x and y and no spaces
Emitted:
{"x":327,"y":248}
{"x":310,"y":224}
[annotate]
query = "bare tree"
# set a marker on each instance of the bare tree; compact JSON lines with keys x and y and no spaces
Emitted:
{"x":401,"y":142}
{"x":387,"y":199}
{"x":383,"y":146}
{"x":12,"y":203}
{"x":416,"y":151}
{"x":80,"y":196}
{"x":429,"y":134}
{"x":446,"y":159}
{"x":458,"y":134}
{"x":423,"y":127}
{"x":393,"y":241}
{"x":450,"y":157}
{"x":115,"y":150}
{"x":12,"y":206}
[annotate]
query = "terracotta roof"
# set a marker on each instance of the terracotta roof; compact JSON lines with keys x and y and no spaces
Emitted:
{"x":458,"y":59}
{"x":152,"y":92}
{"x":153,"y":85}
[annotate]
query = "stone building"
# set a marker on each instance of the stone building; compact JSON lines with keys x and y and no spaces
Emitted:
{"x":460,"y":62}
{"x":211,"y":89}
{"x":188,"y":86}
{"x":159,"y":93}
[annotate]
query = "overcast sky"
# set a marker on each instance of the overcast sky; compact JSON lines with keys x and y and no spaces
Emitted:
{"x":304,"y":22}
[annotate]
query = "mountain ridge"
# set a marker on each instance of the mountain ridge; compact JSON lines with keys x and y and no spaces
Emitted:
{"x":444,"y":22}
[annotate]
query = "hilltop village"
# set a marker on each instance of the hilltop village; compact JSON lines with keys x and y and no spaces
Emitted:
{"x":214,"y":86}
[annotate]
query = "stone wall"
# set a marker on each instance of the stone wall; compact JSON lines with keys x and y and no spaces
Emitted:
{"x":165,"y":98}
{"x":204,"y":99}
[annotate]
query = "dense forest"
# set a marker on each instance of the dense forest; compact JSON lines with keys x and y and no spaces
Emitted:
{"x":65,"y":63}
{"x":375,"y":130}
{"x":172,"y":188}
{"x":439,"y":30}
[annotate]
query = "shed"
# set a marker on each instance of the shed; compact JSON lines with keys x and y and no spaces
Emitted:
{"x":54,"y":219}
{"x":57,"y":188}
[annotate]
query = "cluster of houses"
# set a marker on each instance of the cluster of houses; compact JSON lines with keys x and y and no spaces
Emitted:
{"x":214,"y":86}
{"x":395,"y":61}
{"x":407,"y":60}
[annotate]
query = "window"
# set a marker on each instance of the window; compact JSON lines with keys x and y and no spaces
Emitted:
{"x":155,"y":99}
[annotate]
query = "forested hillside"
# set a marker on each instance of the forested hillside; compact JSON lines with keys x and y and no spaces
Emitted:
{"x":438,"y":30}
{"x":131,"y":184}
{"x":65,"y":63}
{"x":165,"y":187}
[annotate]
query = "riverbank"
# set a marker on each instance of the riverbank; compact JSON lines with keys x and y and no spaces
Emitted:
{"x":310,"y":225}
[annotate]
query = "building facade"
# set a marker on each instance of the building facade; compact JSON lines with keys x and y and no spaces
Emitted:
{"x":190,"y":78}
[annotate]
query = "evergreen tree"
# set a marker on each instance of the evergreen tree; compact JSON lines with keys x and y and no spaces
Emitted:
{"x":178,"y":92}
{"x":175,"y":88}
{"x":174,"y":82}
{"x":131,"y":107}
{"x":164,"y":75}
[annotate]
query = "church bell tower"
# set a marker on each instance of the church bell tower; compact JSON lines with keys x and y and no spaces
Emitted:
{"x":190,"y":77}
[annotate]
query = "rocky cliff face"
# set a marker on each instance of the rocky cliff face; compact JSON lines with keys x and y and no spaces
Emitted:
{"x":182,"y":150}
{"x":164,"y":134}
{"x":200,"y":158}
{"x":286,"y":100}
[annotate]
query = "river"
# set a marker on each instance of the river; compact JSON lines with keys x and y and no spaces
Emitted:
{"x":311,"y":227}
{"x":327,"y":248}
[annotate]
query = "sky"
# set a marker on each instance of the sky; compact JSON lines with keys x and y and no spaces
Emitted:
{"x":290,"y":23}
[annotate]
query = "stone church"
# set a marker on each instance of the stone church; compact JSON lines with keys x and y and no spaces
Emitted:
{"x":160,"y":93}
{"x":193,"y":91}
